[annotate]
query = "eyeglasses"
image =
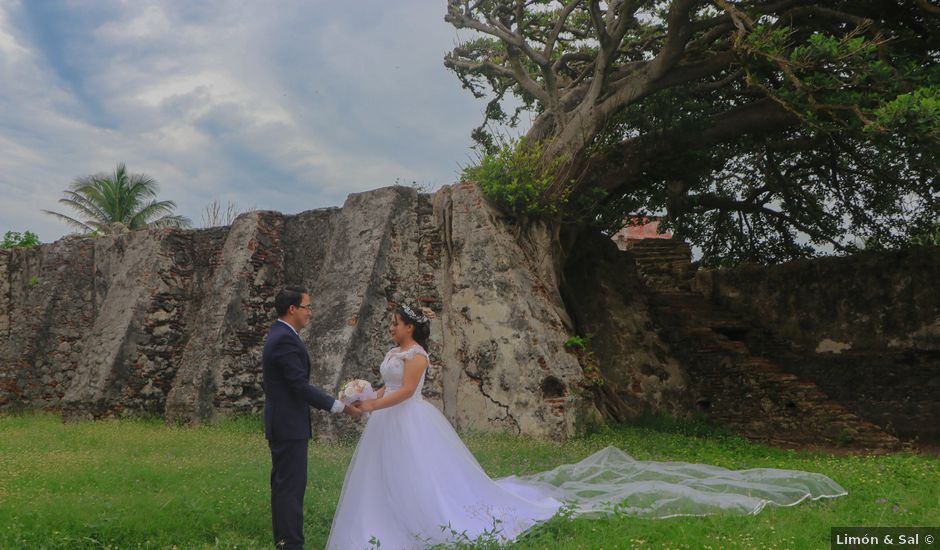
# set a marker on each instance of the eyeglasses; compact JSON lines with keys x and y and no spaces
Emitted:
{"x":307,"y":306}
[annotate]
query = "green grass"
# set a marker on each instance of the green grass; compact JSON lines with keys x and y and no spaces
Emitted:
{"x":141,"y":484}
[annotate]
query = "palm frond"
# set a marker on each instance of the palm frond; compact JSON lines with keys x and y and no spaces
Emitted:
{"x":81,"y":203}
{"x":119,"y":197}
{"x":83,"y":181}
{"x":151,"y":211}
{"x":173,"y":220}
{"x":141,"y":185}
{"x":71,"y":221}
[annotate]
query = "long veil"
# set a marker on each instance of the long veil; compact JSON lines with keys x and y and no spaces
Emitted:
{"x":611,"y":481}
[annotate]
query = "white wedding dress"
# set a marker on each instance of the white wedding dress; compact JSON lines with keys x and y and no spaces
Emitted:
{"x":412,"y":483}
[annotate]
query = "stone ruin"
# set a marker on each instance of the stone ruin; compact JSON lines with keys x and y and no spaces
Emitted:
{"x":171,"y":323}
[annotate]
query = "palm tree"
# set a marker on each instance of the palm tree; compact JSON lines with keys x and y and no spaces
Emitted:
{"x":120,"y":200}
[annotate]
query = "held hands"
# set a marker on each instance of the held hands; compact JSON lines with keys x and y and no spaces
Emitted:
{"x":359,"y":398}
{"x":366,"y":406}
{"x":353,"y":410}
{"x":359,"y":409}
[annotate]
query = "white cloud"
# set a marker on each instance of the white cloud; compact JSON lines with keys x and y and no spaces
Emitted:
{"x":152,"y":22}
{"x":288,"y":109}
{"x":10,"y":48}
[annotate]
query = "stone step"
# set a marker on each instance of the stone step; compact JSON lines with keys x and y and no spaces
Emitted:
{"x":658,"y":244}
{"x":659,"y":254}
{"x":716,"y":345}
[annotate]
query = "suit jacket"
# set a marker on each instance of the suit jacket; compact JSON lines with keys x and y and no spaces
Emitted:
{"x":287,"y":390}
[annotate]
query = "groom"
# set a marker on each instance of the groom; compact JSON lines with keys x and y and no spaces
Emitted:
{"x":288,"y":394}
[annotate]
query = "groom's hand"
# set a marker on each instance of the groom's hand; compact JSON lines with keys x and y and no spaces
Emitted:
{"x":352,"y":410}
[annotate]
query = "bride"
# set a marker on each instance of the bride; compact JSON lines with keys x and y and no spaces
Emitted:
{"x":412,"y":483}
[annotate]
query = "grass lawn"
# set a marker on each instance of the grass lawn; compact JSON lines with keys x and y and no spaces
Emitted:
{"x":141,"y":484}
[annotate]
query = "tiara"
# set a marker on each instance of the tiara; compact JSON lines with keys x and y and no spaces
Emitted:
{"x":416,"y":317}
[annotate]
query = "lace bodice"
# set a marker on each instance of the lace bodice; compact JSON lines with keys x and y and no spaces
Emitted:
{"x":393,"y":369}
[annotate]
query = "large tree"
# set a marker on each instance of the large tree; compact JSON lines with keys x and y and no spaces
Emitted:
{"x":120,"y":201}
{"x":766,"y":129}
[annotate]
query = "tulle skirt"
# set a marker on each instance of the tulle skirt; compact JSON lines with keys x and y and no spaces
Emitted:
{"x":412,"y":483}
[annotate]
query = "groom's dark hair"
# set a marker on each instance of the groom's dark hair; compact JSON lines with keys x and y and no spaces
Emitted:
{"x":288,"y":296}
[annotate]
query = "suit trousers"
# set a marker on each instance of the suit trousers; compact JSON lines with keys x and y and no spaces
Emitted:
{"x":288,"y":483}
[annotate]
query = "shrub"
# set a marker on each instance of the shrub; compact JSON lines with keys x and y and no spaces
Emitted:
{"x":516,"y":179}
{"x":14,"y":239}
{"x":576,"y":343}
{"x":579,"y":345}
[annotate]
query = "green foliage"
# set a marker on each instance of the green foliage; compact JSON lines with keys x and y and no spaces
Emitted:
{"x":929,"y":236}
{"x":14,"y":239}
{"x":916,"y":114}
{"x":576,"y":343}
{"x":862,"y":166}
{"x":489,"y":539}
{"x":580,"y":346}
{"x":810,"y":127}
{"x":516,"y":178}
{"x":111,"y":203}
{"x":844,"y":82}
{"x":142,"y":484}
{"x":34,"y":280}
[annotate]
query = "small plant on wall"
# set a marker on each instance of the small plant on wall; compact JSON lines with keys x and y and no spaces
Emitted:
{"x":15,"y":239}
{"x":579,"y":345}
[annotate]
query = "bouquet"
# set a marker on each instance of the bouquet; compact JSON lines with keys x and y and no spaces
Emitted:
{"x":356,"y":390}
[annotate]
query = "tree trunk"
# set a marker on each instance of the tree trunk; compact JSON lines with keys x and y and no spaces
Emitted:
{"x":567,"y":149}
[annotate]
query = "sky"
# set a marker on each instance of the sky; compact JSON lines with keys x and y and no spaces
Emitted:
{"x":287,"y":106}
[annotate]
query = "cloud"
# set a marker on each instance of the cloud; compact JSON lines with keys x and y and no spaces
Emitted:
{"x":285,"y":108}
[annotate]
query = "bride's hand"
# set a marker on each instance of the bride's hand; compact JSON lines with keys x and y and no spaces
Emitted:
{"x":353,"y":410}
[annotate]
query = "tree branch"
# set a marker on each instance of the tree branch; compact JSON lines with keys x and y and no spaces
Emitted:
{"x":636,"y":83}
{"x":478,"y":68}
{"x":559,"y":26}
{"x":618,"y":169}
{"x":829,"y":13}
{"x":678,"y":31}
{"x":712,"y":86}
{"x":715,"y":202}
{"x":927,"y":7}
{"x":522,"y":76}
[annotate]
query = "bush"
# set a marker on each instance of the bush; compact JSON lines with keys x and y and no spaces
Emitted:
{"x":515,"y":177}
{"x":14,"y":239}
{"x":579,"y":345}
{"x":576,"y":343}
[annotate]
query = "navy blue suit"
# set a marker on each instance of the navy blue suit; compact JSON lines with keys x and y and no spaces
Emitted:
{"x":288,"y":397}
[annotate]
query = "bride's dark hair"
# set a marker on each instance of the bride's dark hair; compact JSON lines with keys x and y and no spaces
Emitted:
{"x":418,"y":320}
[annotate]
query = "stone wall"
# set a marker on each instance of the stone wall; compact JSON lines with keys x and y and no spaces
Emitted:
{"x":639,"y":373}
{"x":44,"y":312}
{"x":171,"y":322}
{"x":865,"y":329}
{"x":871,"y":300}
